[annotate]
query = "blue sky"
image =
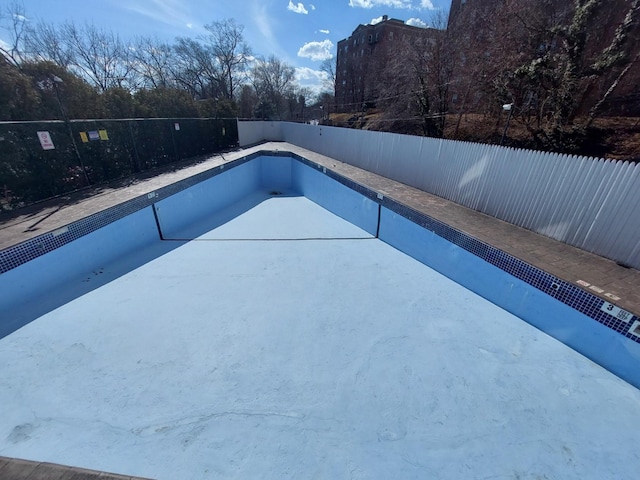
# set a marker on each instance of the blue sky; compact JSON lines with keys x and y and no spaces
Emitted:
{"x":299,"y":32}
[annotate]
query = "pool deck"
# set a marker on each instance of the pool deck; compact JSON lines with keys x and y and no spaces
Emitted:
{"x":16,"y":469}
{"x":597,"y":275}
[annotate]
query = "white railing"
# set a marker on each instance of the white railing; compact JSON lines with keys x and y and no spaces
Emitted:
{"x":591,"y":203}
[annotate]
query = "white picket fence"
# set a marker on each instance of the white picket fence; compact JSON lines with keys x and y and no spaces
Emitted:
{"x":591,"y":203}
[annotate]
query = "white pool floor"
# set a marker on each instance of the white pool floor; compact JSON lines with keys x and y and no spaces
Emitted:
{"x":288,"y":343}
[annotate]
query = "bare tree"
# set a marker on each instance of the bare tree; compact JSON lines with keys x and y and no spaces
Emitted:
{"x":152,"y":60}
{"x":14,"y":22}
{"x":99,"y":55}
{"x":273,"y":82}
{"x":328,"y":66}
{"x":415,"y":83}
{"x":231,"y":53}
{"x":570,"y":70}
{"x":46,"y":42}
{"x":196,"y":69}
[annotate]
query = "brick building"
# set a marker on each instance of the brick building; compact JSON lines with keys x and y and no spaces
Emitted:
{"x":363,"y":57}
{"x":484,"y":44}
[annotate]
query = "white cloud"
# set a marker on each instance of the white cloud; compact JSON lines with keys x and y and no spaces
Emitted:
{"x":315,"y":80}
{"x":375,"y":20}
{"x":306,"y":74}
{"x":4,"y":45}
{"x":416,"y":22}
{"x":20,"y":18}
{"x":326,"y":32}
{"x":312,"y":6}
{"x":189,"y":25}
{"x":170,"y":12}
{"x":297,"y":8}
{"x":316,"y":51}
{"x":427,"y":4}
{"x":263,"y":22}
{"x":381,"y":3}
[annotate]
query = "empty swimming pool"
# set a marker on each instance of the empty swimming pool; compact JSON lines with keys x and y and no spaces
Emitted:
{"x":268,"y":336}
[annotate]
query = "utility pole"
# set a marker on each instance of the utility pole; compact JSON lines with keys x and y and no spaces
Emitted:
{"x":507,"y":108}
{"x":56,"y":80}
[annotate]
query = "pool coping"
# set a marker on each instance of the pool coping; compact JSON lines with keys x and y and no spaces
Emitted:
{"x":19,"y":469}
{"x":563,"y":272}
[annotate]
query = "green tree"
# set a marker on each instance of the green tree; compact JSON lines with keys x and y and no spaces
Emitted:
{"x":247,"y":102}
{"x":19,"y":98}
{"x":71,"y":95}
{"x":165,"y":103}
{"x":117,"y":102}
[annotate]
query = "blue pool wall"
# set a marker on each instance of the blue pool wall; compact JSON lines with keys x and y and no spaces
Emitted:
{"x":50,"y":280}
{"x":601,"y":344}
{"x":47,"y":281}
{"x":335,"y":197}
{"x":177,"y":212}
{"x":99,"y":255}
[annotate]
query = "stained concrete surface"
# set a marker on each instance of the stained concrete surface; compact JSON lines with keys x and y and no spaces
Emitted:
{"x":337,"y":357}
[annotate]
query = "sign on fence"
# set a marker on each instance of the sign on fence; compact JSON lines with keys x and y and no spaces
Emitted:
{"x":45,"y":141}
{"x":106,"y":149}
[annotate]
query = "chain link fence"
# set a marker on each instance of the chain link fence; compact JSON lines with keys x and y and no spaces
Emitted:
{"x":39,"y":160}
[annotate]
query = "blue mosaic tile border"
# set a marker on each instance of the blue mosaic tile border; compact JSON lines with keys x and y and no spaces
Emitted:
{"x":567,"y":293}
{"x":28,"y":250}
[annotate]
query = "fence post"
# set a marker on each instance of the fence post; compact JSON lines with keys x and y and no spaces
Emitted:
{"x":136,"y":158}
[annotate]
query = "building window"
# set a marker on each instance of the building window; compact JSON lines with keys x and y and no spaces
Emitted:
{"x":390,"y":35}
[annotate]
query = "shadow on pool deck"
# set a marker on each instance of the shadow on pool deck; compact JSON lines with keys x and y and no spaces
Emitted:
{"x":24,"y":223}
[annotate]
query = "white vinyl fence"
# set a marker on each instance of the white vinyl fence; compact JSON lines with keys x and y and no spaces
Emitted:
{"x":591,"y":203}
